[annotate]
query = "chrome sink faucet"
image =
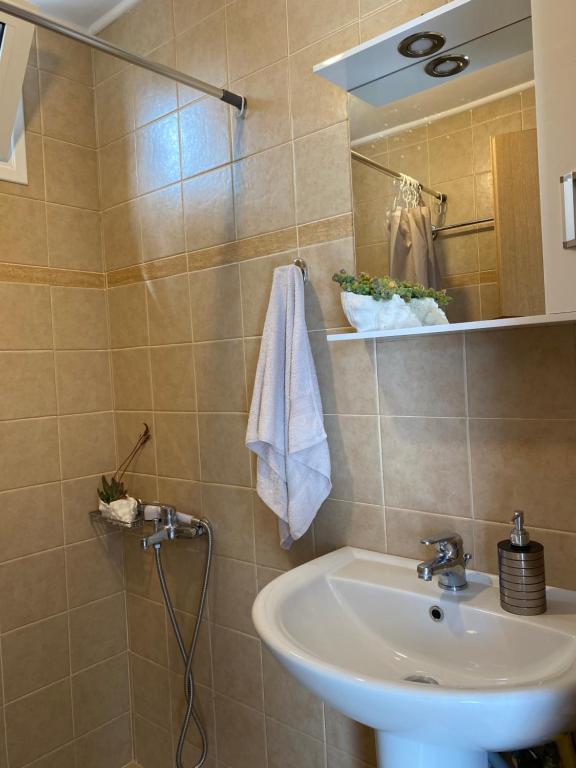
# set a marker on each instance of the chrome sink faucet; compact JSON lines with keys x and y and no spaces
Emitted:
{"x":168,"y":527}
{"x":450,"y":562}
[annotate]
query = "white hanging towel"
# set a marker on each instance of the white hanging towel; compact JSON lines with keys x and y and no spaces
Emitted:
{"x":286,"y":426}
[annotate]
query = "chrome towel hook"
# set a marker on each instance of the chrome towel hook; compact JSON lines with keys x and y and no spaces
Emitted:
{"x":303,"y":267}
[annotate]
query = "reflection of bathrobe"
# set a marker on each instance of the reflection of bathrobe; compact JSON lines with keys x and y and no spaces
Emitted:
{"x":412,"y":256}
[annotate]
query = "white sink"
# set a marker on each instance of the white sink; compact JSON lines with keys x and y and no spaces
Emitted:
{"x":354,"y":626}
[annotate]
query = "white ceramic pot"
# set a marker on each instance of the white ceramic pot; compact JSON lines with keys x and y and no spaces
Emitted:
{"x":367,"y":314}
{"x":428,"y":312}
{"x":124,"y":510}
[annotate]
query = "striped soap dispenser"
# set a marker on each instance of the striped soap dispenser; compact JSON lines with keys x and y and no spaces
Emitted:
{"x":521,"y":572}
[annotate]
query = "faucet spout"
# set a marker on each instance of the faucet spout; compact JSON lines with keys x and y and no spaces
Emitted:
{"x":450,"y":562}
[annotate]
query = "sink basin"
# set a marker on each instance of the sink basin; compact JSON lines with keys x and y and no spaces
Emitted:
{"x":444,"y":678}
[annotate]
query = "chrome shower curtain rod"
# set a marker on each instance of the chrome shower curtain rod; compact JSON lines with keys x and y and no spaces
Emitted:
{"x":120,"y":53}
{"x":440,"y":196}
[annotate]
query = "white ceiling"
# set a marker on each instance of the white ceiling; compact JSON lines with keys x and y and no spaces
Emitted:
{"x":92,"y":15}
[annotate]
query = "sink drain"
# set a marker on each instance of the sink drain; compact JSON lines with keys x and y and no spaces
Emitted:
{"x":423,"y":679}
{"x":436,"y":613}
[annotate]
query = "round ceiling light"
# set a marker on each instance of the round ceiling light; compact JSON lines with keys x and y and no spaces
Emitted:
{"x":447,"y":66}
{"x":421,"y":44}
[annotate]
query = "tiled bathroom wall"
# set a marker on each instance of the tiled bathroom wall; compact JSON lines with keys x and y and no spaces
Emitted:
{"x":453,"y":155}
{"x":199,"y":207}
{"x":64,"y":692}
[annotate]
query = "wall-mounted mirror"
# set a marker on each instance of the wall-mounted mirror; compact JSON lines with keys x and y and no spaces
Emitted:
{"x":445,"y":157}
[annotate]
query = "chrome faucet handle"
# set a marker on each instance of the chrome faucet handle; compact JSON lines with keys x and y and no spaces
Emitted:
{"x":444,"y":540}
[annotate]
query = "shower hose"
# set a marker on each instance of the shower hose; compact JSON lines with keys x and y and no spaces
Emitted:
{"x":188,"y":656}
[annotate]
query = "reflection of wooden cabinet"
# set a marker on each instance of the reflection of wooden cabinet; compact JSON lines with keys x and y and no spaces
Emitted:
{"x":518,"y":225}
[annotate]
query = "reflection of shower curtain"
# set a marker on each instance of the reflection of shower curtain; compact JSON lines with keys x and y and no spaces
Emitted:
{"x":412,"y":255}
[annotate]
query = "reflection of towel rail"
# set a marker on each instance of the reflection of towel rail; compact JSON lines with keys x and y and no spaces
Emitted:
{"x":445,"y":227}
{"x":395,"y":175}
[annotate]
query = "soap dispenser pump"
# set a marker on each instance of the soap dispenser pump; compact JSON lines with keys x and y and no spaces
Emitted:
{"x":521,"y":571}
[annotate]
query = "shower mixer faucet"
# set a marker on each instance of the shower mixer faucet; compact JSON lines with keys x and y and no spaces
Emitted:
{"x":169,"y":525}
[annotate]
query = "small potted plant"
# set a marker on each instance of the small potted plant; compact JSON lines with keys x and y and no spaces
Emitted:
{"x":115,"y":502}
{"x":382,"y":303}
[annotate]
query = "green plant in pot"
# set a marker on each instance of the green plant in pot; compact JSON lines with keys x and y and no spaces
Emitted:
{"x":382,"y":303}
{"x":115,"y":501}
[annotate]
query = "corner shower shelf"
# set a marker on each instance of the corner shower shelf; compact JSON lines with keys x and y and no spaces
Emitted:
{"x":97,"y":516}
{"x":477,"y":325}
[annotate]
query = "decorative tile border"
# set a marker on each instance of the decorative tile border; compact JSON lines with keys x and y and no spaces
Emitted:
{"x":66,"y":278}
{"x":151,"y":270}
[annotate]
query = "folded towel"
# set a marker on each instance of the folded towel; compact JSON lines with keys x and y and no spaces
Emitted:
{"x":286,"y":426}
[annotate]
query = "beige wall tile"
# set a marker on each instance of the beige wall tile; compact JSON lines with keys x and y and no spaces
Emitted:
{"x":201,"y":52}
{"x":112,"y":740}
{"x":216,"y":312}
{"x":241,"y":734}
{"x":28,"y":452}
{"x":22,"y":329}
{"x":67,"y":110}
{"x":35,"y":656}
{"x":209,"y":209}
{"x":322,"y":295}
{"x":71,"y":174}
{"x":522,"y":373}
{"x":354,"y":448}
{"x":87,"y":444}
{"x":465,"y":305}
{"x":147,"y":629}
{"x":74,"y":239}
{"x":202,"y":667}
{"x":323,"y":174}
{"x":348,"y":736}
{"x":97,"y":632}
{"x":155,"y":96}
{"x":27,"y":386}
{"x":158,"y":154}
{"x":267,"y":124}
{"x":230,"y":512}
{"x":177,"y":445}
{"x":458,"y":253}
{"x":115,"y":107}
{"x":484,"y":192}
{"x":451,"y":156}
{"x":204,"y":136}
{"x":50,"y":709}
{"x":23,"y":230}
{"x":264,"y":192}
{"x":31,"y":98}
{"x":392,"y":15}
{"x":152,"y":744}
{"x":128,"y":426}
{"x":316,"y":103}
{"x":445,"y":125}
{"x":141,"y":576}
{"x":347,"y":377}
{"x":61,"y":758}
{"x":426,"y":465}
{"x":483,"y":133}
{"x":150,"y":690}
{"x":100,"y":694}
{"x":238,"y":667}
{"x":162,"y":223}
{"x":33,"y":587}
{"x":411,"y":383}
{"x":83,"y":381}
{"x":169,"y":310}
{"x":128,"y":323}
{"x":132,"y":380}
{"x":523,"y":465}
{"x":405,"y":529}
{"x":79,"y":316}
{"x":189,"y":12}
{"x":308,"y":23}
{"x":285,"y":744}
{"x":185,"y":495}
{"x":39,"y":513}
{"x":185,"y":592}
{"x":220,"y":380}
{"x":232,"y":593}
{"x":490,"y":301}
{"x":173,"y":380}
{"x":78,"y":498}
{"x":413,"y":160}
{"x":95,"y":569}
{"x":223,"y":457}
{"x":122,"y":235}
{"x":118,"y":176}
{"x":503,"y":106}
{"x":64,"y":57}
{"x":257,"y":35}
{"x":289,"y":702}
{"x":345,"y":524}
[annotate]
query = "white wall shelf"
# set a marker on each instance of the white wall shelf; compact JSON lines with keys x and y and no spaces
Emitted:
{"x":478,"y":325}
